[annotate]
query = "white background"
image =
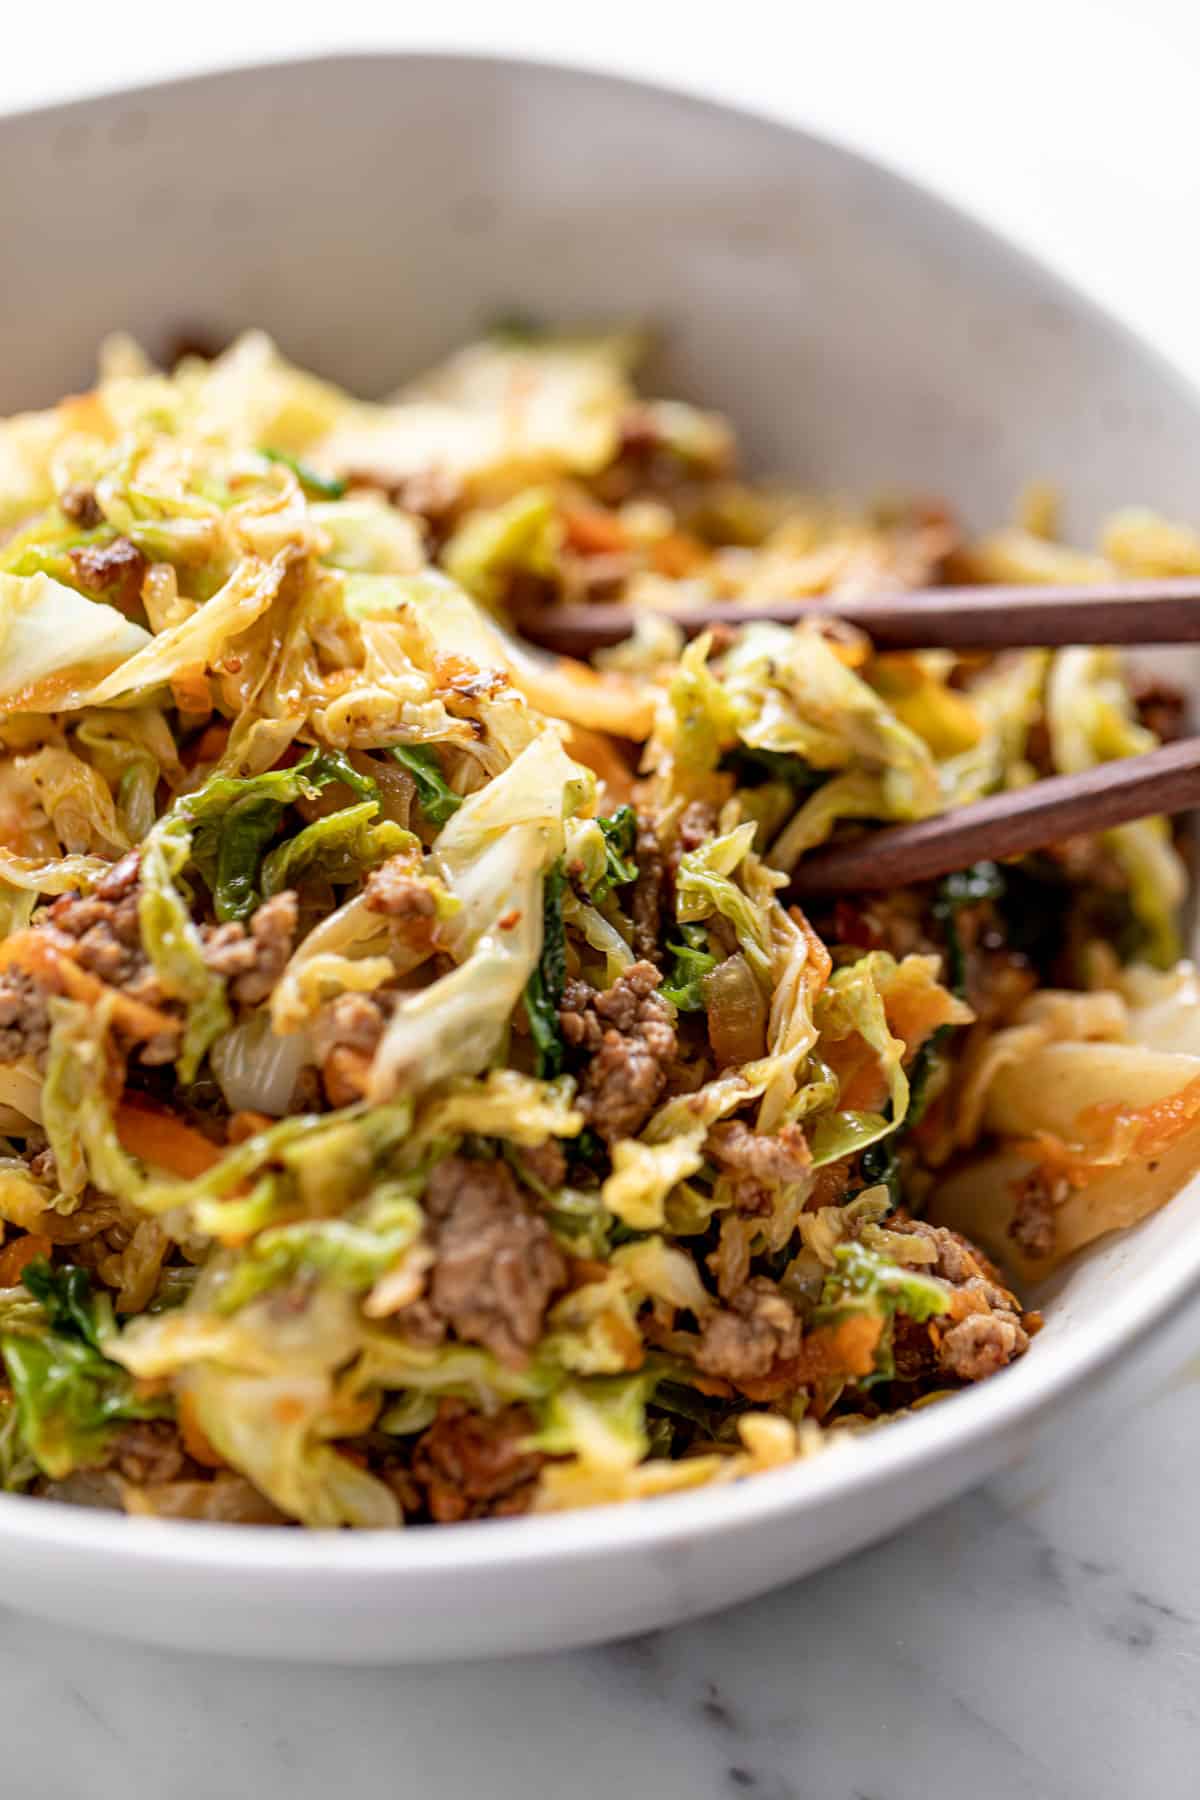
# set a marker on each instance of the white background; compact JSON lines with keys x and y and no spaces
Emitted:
{"x":1071,"y":125}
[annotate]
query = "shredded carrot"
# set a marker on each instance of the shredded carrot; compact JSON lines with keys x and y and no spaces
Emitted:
{"x":601,"y":755}
{"x":209,"y":746}
{"x":245,"y":1125}
{"x":140,"y":1020}
{"x":44,"y":958}
{"x":678,"y":554}
{"x":159,"y":1138}
{"x":1118,"y":1134}
{"x":594,"y":531}
{"x":830,"y":1353}
{"x":17,"y":1256}
{"x":191,"y":691}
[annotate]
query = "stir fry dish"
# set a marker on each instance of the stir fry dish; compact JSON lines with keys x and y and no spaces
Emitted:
{"x":420,"y":1100}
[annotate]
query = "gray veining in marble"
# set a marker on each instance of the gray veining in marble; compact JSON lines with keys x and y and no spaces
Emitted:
{"x":1040,"y":1638}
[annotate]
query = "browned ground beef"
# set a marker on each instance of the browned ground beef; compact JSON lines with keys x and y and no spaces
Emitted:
{"x":646,"y":905}
{"x":254,"y":960}
{"x":760,"y":1163}
{"x":696,"y":825}
{"x":986,"y":1329}
{"x":148,"y":1450}
{"x":743,"y":1341}
{"x":115,"y":570}
{"x":469,"y":1466}
{"x":345,"y":1036}
{"x":628,"y":1035}
{"x":80,"y":505}
{"x":100,"y":932}
{"x":545,"y":1164}
{"x":496,"y":1265}
{"x":1033,"y":1226}
{"x":393,"y":889}
{"x":24,"y":1017}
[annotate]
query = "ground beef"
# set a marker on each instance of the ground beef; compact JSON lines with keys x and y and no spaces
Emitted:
{"x":355,"y":1020}
{"x":1033,"y":1227}
{"x":647,"y":900}
{"x":24,"y":1017}
{"x":345,"y":1036}
{"x":496,"y":1265}
{"x":80,"y":505}
{"x":545,"y":1164}
{"x":469,"y":1466}
{"x":744,"y":1341}
{"x":696,"y":825}
{"x":115,"y":570}
{"x":108,"y":940}
{"x":628,"y":1035}
{"x":982,"y":1344}
{"x":760,"y":1163}
{"x":254,"y":960}
{"x":148,"y":1450}
{"x":101,"y":934}
{"x":393,"y":889}
{"x":986,"y":1329}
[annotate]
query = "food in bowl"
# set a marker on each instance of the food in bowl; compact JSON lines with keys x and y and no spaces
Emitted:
{"x":422,"y":1102}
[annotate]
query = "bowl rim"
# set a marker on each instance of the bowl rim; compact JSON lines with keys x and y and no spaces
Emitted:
{"x":859,"y":1467}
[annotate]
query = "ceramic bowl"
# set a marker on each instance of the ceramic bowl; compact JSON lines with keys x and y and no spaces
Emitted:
{"x":371,"y":212}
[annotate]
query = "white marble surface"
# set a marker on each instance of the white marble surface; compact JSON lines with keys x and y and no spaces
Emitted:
{"x":1041,"y":1637}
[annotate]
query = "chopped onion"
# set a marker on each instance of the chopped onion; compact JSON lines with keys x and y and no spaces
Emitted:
{"x":257,"y":1070}
{"x":737,"y":1012}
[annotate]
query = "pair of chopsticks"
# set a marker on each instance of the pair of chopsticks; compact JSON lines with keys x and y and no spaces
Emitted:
{"x":1014,"y":823}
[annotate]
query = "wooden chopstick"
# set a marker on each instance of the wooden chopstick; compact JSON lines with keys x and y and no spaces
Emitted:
{"x":1166,"y":780}
{"x":951,"y":618}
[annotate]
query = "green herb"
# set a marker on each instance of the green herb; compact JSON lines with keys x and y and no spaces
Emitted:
{"x":232,"y":820}
{"x":325,"y":487}
{"x":925,"y":1065}
{"x":864,"y":1281}
{"x":544,"y":989}
{"x":620,"y":842}
{"x":340,"y":847}
{"x":692,"y":960}
{"x":879,"y":1166}
{"x":891,"y":1287}
{"x":751,"y":767}
{"x":437,"y":800}
{"x":714,"y":1419}
{"x":68,"y":1394}
{"x":246,"y":830}
{"x":65,"y":1296}
{"x":335,"y":765}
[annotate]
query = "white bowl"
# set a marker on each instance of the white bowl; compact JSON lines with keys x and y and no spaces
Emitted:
{"x":371,"y":212}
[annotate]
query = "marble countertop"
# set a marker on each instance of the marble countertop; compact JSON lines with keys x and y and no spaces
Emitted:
{"x":1039,"y":1638}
